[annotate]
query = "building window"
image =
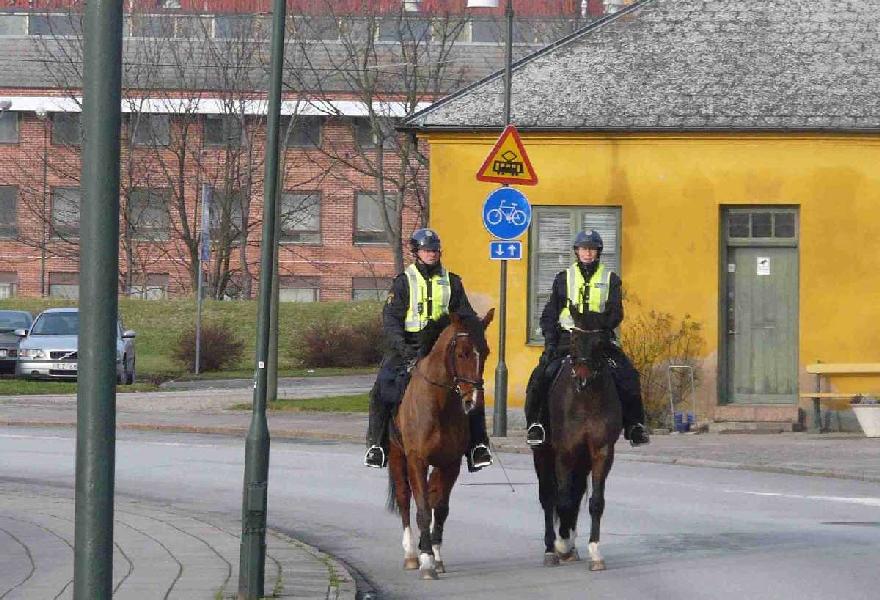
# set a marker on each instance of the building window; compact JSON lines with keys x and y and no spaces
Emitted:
{"x":370,"y":288}
{"x":150,"y":130}
{"x":226,"y":212}
{"x":8,"y":127}
{"x":13,"y":25}
{"x":487,"y":31}
{"x":64,"y":285}
{"x":193,"y":27}
{"x":405,"y":30}
{"x":66,"y":129}
{"x":223,"y":130}
{"x":8,"y":284}
{"x":57,"y":25}
{"x":316,"y":28}
{"x":65,"y":211}
{"x":369,"y":219}
{"x":301,"y":132}
{"x":301,"y":217}
{"x":298,"y":289}
{"x":241,"y":27}
{"x":763,"y":224}
{"x":367,"y":136}
{"x":550,"y":236}
{"x":8,"y":211}
{"x":149,"y":286}
{"x":148,"y":213}
{"x":152,"y":26}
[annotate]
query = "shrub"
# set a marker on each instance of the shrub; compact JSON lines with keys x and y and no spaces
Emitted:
{"x":220,"y":348}
{"x":331,"y":343}
{"x":655,"y":340}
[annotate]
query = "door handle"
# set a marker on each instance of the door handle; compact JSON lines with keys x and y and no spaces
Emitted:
{"x":732,"y":332}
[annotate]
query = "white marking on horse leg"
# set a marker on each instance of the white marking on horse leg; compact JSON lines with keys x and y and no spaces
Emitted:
{"x":595,"y":555}
{"x":437,"y":556}
{"x":409,"y":544}
{"x":433,"y":520}
{"x":562,"y":546}
{"x":426,"y":561}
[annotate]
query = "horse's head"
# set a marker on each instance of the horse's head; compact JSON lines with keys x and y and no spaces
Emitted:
{"x":466,"y":353}
{"x":589,"y":349}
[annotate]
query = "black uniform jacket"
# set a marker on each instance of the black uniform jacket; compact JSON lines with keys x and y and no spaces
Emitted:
{"x":394,"y":313}
{"x":611,"y":317}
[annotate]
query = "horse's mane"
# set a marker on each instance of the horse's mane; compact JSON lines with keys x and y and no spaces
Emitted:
{"x":471,"y":323}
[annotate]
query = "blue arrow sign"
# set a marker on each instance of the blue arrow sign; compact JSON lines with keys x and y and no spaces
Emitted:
{"x":505,"y":250}
{"x":506,"y":213}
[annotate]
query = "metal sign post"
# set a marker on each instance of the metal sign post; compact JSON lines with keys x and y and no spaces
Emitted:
{"x":506,"y":215}
{"x":204,"y":257}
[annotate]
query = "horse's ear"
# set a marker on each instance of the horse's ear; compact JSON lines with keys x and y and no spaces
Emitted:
{"x":488,"y":318}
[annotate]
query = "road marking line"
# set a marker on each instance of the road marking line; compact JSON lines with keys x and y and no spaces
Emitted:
{"x":842,"y":499}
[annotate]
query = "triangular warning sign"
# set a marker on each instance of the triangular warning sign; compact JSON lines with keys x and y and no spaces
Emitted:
{"x":508,"y":161}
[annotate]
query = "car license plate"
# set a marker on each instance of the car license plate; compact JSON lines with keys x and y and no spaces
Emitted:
{"x":64,"y":366}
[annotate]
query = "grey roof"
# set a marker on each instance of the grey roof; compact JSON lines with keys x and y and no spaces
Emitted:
{"x":692,"y":64}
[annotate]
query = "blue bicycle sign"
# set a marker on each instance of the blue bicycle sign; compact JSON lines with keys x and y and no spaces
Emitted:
{"x":506,"y":213}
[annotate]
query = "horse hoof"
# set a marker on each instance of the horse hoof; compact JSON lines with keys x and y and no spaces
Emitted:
{"x":410,"y":564}
{"x":597,"y":565}
{"x":570,"y":557}
{"x":439,"y":566}
{"x":550,"y":559}
{"x":428,"y":574}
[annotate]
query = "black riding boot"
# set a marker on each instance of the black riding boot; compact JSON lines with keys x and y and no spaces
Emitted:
{"x":534,"y":408}
{"x":626,"y":379}
{"x":478,"y":455}
{"x":377,"y":431}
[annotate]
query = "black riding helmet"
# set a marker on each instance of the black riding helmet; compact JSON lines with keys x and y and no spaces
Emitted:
{"x":424,"y":239}
{"x":588,"y":239}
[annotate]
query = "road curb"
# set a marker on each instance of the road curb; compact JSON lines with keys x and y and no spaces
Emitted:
{"x":499,"y":444}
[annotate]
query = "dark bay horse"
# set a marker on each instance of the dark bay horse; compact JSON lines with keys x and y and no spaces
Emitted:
{"x":431,"y":430}
{"x":584,"y":423}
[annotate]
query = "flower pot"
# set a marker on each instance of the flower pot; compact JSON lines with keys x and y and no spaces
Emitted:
{"x":869,"y":418}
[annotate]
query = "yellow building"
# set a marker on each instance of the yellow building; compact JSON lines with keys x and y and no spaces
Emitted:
{"x":726,"y":151}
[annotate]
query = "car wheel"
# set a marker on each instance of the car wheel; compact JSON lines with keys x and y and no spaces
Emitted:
{"x":129,"y":377}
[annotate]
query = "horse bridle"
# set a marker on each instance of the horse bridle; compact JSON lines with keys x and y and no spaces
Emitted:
{"x":457,"y":380}
{"x":582,"y":383}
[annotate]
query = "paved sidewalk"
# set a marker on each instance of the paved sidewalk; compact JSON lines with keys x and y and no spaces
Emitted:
{"x":160,"y":552}
{"x":849,"y":456}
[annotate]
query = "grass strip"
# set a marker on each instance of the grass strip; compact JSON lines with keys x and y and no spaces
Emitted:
{"x":358,"y":403}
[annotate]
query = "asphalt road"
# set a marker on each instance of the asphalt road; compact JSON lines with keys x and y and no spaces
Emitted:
{"x":669,"y":531}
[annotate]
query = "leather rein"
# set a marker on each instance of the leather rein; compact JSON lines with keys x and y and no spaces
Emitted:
{"x":457,"y":380}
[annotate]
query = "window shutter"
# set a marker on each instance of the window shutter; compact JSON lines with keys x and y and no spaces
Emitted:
{"x":552,"y":231}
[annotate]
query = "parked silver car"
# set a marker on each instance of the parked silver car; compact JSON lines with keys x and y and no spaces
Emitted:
{"x":10,"y":320}
{"x":49,"y":348}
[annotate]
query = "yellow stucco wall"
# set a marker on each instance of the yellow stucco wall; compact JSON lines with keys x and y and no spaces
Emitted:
{"x":671,"y":189}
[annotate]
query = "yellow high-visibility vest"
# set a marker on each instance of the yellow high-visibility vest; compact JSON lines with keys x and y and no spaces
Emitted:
{"x":577,"y":290}
{"x":420,"y":311}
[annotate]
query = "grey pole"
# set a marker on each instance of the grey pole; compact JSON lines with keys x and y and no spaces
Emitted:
{"x":252,"y":563}
{"x":99,"y":268}
{"x":204,"y":241}
{"x":499,"y":420}
{"x":272,"y":363}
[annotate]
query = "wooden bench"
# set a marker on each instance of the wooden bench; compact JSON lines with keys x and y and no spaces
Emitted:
{"x":824,"y":371}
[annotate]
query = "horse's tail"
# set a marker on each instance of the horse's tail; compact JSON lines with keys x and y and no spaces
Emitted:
{"x":391,"y":501}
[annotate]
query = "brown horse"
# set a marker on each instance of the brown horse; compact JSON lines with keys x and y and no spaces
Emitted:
{"x":584,"y":424}
{"x":431,"y":430}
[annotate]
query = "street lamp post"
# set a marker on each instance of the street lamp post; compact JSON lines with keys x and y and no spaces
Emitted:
{"x":499,"y":420}
{"x":252,"y":559}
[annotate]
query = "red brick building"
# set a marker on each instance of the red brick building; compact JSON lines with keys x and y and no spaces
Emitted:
{"x":193,"y":128}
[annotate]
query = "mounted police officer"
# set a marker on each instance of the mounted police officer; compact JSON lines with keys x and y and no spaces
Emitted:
{"x":423,"y":293}
{"x":596,"y":291}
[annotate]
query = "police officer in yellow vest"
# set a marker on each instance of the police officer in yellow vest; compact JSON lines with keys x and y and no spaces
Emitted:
{"x":423,"y":293}
{"x":596,"y":290}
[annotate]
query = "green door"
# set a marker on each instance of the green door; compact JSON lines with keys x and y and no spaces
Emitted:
{"x":762,"y":335}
